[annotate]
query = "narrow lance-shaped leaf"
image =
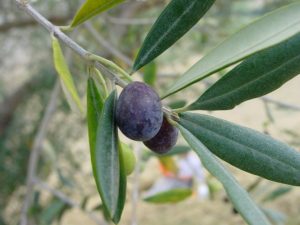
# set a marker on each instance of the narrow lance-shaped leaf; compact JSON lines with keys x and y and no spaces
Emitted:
{"x":101,"y":82}
{"x":269,"y":30}
{"x":65,"y":76}
{"x":122,"y":189}
{"x":179,"y":149}
{"x":245,"y":148}
{"x":91,"y":8}
{"x":95,"y":101}
{"x":94,"y":111}
{"x":170,"y":196}
{"x":177,"y":18}
{"x":258,"y":75}
{"x":238,"y":196}
{"x":105,"y":157}
{"x":276,"y":194}
{"x":177,"y":104}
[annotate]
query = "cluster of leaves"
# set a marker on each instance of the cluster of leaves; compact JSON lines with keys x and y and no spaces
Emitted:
{"x":269,"y":52}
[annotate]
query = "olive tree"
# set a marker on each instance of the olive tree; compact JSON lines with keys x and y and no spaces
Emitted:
{"x":264,"y":55}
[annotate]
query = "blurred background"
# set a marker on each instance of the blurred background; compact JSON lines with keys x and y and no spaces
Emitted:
{"x":44,"y":145}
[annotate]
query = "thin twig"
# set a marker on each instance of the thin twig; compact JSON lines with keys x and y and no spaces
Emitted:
{"x":64,"y":38}
{"x":35,"y":153}
{"x":268,"y":111}
{"x":44,"y":186}
{"x":281,"y":104}
{"x":107,"y":45}
{"x":64,"y":198}
{"x":70,"y":43}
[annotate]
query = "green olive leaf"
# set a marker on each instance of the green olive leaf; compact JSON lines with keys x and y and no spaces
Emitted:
{"x":177,"y":150}
{"x":177,"y":104}
{"x":265,"y":32}
{"x":245,"y":148}
{"x":94,"y":111}
{"x":106,"y":160}
{"x":258,"y":75}
{"x":103,"y":90}
{"x":238,"y":196}
{"x":91,"y":8}
{"x":170,"y":196}
{"x":122,"y":188}
{"x":278,"y":192}
{"x":65,"y":76}
{"x":177,"y":18}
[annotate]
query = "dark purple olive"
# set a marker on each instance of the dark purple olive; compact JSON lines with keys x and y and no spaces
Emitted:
{"x":164,"y":140}
{"x":139,"y":112}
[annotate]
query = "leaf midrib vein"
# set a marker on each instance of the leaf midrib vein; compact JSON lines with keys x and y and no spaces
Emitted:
{"x":168,"y":30}
{"x":216,"y":98}
{"x":243,"y":145}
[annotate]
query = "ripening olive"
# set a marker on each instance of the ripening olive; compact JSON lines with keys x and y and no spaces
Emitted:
{"x":139,"y":112}
{"x":164,"y":140}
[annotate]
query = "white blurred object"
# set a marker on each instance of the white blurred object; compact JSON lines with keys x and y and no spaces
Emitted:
{"x":190,"y":174}
{"x":202,"y":191}
{"x":189,"y":165}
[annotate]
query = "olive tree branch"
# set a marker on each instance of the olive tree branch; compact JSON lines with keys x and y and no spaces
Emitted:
{"x":55,"y":30}
{"x":107,"y":45}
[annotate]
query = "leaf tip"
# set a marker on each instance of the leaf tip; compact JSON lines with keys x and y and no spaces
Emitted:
{"x":115,"y":220}
{"x":135,"y":68}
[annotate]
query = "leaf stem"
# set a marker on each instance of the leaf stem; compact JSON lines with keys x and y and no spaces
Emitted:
{"x":170,"y":114}
{"x":111,"y":65}
{"x":101,"y":80}
{"x":66,"y":28}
